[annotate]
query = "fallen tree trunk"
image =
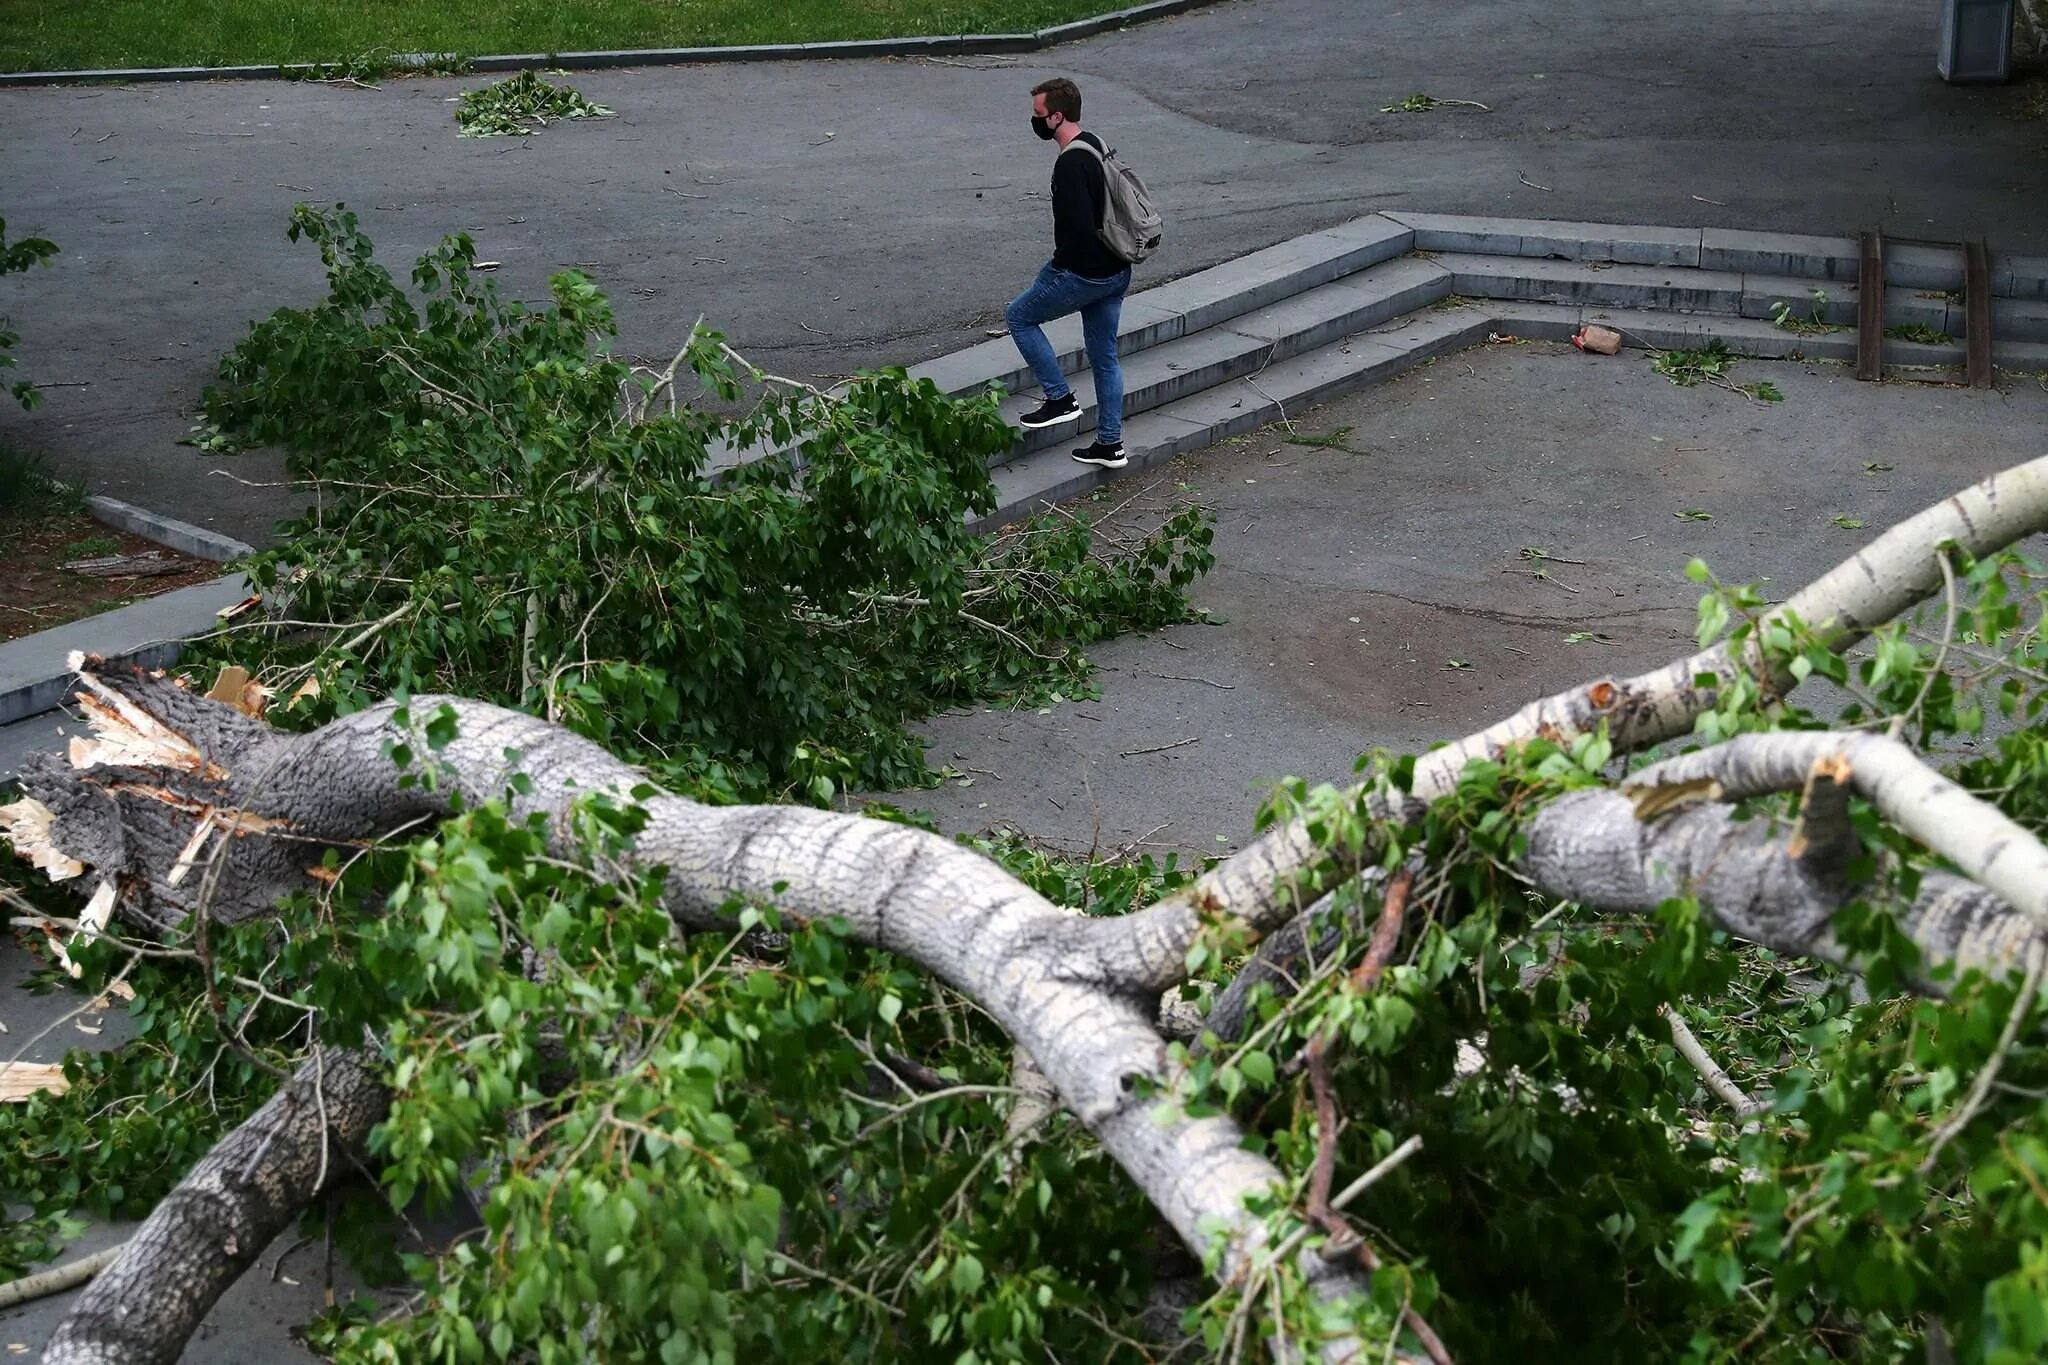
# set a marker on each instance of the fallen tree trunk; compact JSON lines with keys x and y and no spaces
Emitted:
{"x":172,"y":780}
{"x":170,"y":772}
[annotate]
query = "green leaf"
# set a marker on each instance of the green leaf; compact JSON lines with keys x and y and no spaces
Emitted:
{"x":968,"y":1275}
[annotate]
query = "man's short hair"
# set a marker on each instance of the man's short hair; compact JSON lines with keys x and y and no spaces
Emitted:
{"x":1062,"y":97}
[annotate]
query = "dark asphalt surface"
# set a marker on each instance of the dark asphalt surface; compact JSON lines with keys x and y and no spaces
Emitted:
{"x":899,"y":236}
{"x":1379,"y":595}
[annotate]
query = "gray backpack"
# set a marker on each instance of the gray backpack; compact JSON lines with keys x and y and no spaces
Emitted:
{"x":1130,"y":220}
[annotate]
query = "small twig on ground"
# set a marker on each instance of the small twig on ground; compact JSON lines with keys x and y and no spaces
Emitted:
{"x":1161,"y":748}
{"x":1176,"y":677}
{"x":1532,"y":184}
{"x":277,"y":1266}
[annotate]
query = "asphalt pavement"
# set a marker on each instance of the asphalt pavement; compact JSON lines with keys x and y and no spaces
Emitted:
{"x":834,"y":215}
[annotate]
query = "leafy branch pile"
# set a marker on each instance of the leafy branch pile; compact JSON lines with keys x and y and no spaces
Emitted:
{"x":783,"y":1143}
{"x":1587,"y":1194}
{"x":772,"y":1146}
{"x":1710,"y":364}
{"x":506,"y":512}
{"x":521,"y":105}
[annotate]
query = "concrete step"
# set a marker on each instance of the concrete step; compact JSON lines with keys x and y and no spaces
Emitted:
{"x":1189,"y":304}
{"x":35,"y":674}
{"x":1249,"y":342}
{"x":1165,"y":313}
{"x":1941,"y":309}
{"x":1670,"y":289}
{"x":1743,"y":336}
{"x":1540,"y":238}
{"x":1031,"y":481}
{"x":1767,"y":341}
{"x":1747,"y":294}
{"x":1908,"y":265}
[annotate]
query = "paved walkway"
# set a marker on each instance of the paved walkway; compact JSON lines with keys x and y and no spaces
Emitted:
{"x":899,"y":237}
{"x":1377,"y":594}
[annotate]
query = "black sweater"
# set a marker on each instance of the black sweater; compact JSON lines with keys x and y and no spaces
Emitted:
{"x":1080,"y":194}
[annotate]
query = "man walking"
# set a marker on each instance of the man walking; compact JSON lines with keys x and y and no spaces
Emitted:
{"x":1083,"y":276}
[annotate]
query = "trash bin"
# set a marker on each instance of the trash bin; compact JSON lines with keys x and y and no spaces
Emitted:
{"x":1976,"y":41}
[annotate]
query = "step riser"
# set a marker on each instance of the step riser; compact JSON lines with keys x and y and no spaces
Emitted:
{"x":1188,"y":305}
{"x":1260,"y":348}
{"x":1908,"y":265}
{"x":2011,"y":319}
{"x":1537,"y":239}
{"x":1236,"y":413}
{"x":1770,"y":343}
{"x":1526,"y":282}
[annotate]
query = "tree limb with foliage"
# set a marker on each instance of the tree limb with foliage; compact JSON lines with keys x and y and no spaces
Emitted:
{"x":727,"y":1074}
{"x":18,"y":255}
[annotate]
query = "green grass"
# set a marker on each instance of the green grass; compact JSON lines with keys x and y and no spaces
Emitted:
{"x":43,"y":35}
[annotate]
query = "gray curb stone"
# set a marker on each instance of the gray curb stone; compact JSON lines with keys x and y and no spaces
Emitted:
{"x":181,"y":536}
{"x":1537,"y":237}
{"x":35,"y":671}
{"x":956,"y":45}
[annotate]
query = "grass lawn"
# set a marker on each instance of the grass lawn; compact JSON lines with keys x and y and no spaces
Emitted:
{"x":44,"y":35}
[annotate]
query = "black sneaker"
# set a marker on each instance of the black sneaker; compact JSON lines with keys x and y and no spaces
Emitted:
{"x":1110,"y":456}
{"x":1054,"y":412}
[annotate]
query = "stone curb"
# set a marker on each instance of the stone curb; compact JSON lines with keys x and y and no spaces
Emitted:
{"x":1735,"y":251}
{"x":954,"y":45}
{"x":35,"y":671}
{"x":181,"y":536}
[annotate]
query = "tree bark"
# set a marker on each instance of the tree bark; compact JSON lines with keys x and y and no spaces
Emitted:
{"x":142,"y":1309}
{"x":164,"y":761}
{"x":169,"y":776}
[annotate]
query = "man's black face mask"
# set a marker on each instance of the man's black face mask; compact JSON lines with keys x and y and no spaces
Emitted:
{"x":1041,"y":126}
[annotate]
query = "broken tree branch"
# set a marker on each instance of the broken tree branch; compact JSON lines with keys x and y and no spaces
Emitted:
{"x":972,"y":925}
{"x":57,"y":1279}
{"x":1719,"y":1081}
{"x":1269,"y":880}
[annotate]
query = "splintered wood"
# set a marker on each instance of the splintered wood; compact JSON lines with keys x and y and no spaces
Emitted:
{"x":126,"y":736}
{"x":235,"y":687}
{"x":19,"y":1080}
{"x":26,"y":825}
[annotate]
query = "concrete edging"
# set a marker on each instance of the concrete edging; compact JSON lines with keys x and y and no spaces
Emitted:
{"x":169,"y":532}
{"x":35,"y":671}
{"x":953,"y":45}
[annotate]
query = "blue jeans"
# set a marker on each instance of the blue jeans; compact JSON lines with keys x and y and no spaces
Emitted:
{"x":1054,"y":294}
